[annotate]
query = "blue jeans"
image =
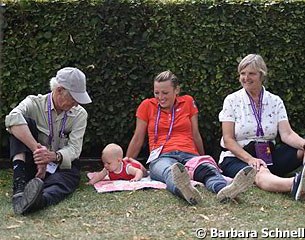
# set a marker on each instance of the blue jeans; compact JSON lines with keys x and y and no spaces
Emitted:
{"x":210,"y":176}
{"x":160,"y":170}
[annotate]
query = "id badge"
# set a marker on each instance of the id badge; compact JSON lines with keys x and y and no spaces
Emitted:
{"x":263,"y":152}
{"x":154,"y":154}
{"x":51,"y":167}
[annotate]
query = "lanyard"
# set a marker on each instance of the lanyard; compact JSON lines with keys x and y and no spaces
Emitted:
{"x":50,"y":122}
{"x":258,"y":113}
{"x":157,"y":123}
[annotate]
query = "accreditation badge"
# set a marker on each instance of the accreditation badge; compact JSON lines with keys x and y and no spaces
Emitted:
{"x":51,"y":167}
{"x":263,"y":151}
{"x":154,"y":154}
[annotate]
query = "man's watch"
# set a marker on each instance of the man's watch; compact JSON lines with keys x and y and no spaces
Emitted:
{"x":58,"y":157}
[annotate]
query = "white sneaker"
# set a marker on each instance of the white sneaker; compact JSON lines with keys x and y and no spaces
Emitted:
{"x":242,"y":181}
{"x":183,"y":183}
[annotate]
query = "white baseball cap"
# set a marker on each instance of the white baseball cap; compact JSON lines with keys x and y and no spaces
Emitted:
{"x":74,"y":80}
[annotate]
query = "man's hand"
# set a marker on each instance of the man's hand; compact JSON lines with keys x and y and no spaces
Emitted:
{"x":41,"y":171}
{"x":42,"y":156}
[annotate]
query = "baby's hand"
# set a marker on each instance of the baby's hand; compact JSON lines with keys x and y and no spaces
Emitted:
{"x":135,"y":179}
{"x":91,"y":183}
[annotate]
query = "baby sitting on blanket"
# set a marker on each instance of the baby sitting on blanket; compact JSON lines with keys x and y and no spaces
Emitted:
{"x":117,"y":168}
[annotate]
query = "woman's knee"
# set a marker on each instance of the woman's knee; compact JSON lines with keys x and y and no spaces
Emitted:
{"x":261,"y":179}
{"x":300,"y":154}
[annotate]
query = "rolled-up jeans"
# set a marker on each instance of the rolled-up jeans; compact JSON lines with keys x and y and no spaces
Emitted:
{"x":160,"y":168}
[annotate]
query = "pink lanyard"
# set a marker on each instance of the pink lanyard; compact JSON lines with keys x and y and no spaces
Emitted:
{"x":50,"y":122}
{"x":258,"y":113}
{"x":157,"y":123}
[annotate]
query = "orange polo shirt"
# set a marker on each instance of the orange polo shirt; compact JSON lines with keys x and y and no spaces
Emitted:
{"x":181,"y":138}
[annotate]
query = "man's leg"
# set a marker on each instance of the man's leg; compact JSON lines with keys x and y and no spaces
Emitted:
{"x":60,"y":184}
{"x":26,"y":188}
{"x":32,"y":197}
{"x":19,"y":181}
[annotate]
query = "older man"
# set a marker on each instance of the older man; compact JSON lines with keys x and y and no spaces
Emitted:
{"x":46,"y":141}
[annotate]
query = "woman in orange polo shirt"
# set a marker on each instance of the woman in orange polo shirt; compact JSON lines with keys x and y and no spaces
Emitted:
{"x":171,"y":122}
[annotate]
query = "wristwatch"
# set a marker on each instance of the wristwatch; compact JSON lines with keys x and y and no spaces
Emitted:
{"x":58,"y":158}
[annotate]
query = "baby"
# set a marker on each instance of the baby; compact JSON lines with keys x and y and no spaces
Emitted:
{"x":118,"y":168}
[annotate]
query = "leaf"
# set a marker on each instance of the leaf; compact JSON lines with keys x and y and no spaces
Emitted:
{"x":204,"y":216}
{"x":13,"y":226}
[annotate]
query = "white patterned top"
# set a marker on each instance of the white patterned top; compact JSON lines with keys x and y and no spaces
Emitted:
{"x":237,"y":108}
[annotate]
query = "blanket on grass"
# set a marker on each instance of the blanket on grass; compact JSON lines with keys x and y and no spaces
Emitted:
{"x":123,"y":185}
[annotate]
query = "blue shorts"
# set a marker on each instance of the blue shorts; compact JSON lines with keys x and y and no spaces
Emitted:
{"x":284,"y":161}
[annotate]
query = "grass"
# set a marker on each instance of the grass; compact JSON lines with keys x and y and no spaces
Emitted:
{"x":145,"y":214}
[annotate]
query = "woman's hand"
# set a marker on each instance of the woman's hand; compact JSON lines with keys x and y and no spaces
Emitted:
{"x":256,"y":163}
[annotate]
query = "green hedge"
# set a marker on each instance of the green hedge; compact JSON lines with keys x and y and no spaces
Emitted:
{"x":122,"y":44}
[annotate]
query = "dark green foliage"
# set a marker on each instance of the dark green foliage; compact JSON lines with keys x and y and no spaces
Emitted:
{"x":122,"y":44}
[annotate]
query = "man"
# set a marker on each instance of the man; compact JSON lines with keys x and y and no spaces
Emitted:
{"x":46,"y":141}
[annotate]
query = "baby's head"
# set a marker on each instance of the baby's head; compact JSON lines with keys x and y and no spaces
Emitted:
{"x":112,"y":156}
